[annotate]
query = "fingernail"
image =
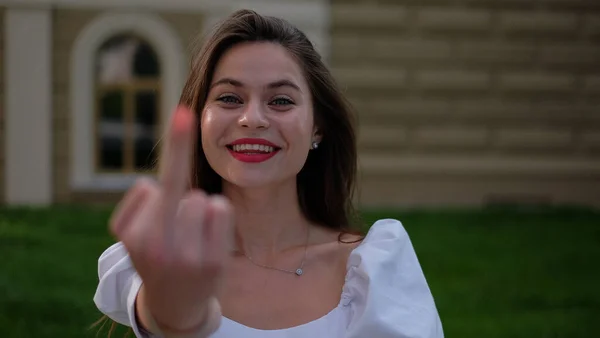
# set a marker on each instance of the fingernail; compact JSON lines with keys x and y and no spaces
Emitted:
{"x":182,"y":118}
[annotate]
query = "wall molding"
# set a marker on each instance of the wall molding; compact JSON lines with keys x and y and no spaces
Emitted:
{"x":28,"y":106}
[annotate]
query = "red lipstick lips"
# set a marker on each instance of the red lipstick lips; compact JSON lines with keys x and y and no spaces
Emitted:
{"x":252,"y":150}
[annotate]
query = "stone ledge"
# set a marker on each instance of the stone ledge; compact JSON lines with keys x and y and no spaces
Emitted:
{"x":538,"y":22}
{"x":368,"y":16}
{"x":480,"y":165}
{"x":530,"y":138}
{"x":447,"y":191}
{"x":453,"y":80}
{"x":370,"y":77}
{"x":450,"y":136}
{"x":533,"y":82}
{"x":444,"y":19}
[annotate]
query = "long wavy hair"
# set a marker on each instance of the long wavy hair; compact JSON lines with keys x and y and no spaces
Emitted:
{"x":326,"y":183}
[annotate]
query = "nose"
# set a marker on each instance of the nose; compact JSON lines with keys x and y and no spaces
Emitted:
{"x":253,"y":117}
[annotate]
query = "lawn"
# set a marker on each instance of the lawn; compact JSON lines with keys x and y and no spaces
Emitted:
{"x":494,"y":273}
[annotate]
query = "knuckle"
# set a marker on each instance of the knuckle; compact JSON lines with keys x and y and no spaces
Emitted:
{"x":157,"y":256}
{"x":212,"y":268}
{"x":195,"y":199}
{"x":191,"y":213}
{"x":189,"y":258}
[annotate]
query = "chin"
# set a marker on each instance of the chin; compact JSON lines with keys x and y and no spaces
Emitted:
{"x":246,"y":181}
{"x":259,"y":177}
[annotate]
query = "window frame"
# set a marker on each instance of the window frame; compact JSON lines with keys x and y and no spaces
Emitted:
{"x":129,"y":92}
{"x":172,"y":59}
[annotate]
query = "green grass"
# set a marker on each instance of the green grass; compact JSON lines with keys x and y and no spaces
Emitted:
{"x":494,"y":273}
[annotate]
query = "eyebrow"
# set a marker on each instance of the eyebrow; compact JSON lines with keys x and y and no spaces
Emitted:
{"x":272,"y":85}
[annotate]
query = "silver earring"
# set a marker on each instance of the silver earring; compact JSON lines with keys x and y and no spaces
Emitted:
{"x":315,"y":145}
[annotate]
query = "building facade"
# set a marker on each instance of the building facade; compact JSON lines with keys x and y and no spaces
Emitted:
{"x":457,"y":104}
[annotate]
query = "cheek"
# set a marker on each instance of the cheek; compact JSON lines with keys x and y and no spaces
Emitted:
{"x":211,"y":129}
{"x":211,"y":126}
{"x":207,"y":119}
{"x":300,"y":119}
{"x":302,"y":127}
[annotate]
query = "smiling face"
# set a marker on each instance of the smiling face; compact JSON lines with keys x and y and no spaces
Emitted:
{"x":257,"y":124}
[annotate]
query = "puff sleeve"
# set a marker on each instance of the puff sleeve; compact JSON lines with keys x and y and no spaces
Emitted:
{"x":386,"y":293}
{"x":118,"y":287}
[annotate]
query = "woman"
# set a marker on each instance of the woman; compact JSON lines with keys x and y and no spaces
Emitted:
{"x":262,"y":245}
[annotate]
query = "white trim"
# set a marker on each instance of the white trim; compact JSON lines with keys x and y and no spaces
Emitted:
{"x":28,"y":106}
{"x":173,"y":66}
{"x":311,"y":16}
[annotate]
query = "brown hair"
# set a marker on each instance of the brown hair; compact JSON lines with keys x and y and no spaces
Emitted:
{"x":326,"y":182}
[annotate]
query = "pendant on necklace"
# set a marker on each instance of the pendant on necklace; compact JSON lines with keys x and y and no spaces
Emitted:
{"x":299,"y":272}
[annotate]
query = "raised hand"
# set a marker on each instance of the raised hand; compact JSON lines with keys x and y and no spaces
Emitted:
{"x":177,"y":238}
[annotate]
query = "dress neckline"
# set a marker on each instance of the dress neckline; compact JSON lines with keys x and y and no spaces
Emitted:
{"x":344,"y":300}
{"x":287,"y":329}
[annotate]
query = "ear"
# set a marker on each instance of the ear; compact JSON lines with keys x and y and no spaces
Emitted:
{"x":317,"y":136}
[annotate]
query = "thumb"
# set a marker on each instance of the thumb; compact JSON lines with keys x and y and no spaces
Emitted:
{"x":130,"y":205}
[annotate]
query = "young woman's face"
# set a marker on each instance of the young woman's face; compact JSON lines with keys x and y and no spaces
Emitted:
{"x":257,"y":124}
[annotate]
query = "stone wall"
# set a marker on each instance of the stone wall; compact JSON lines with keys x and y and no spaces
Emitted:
{"x":462,"y":102}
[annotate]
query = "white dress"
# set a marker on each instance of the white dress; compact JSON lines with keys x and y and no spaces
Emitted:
{"x":385,"y":294}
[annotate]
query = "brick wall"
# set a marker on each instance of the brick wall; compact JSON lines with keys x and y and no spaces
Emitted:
{"x":447,"y":89}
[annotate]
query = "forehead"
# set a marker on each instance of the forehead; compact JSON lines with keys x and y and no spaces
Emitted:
{"x":259,"y":63}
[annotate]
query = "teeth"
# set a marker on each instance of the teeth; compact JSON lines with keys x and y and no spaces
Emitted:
{"x":252,"y":148}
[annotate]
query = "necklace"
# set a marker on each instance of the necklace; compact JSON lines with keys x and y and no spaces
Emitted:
{"x":298,"y":272}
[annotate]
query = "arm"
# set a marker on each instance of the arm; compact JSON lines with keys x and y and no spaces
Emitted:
{"x":178,"y":249}
{"x":200,"y":325}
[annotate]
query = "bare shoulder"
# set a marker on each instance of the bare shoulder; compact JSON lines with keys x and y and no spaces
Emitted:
{"x":350,"y":239}
{"x":335,"y":246}
{"x":336,"y":238}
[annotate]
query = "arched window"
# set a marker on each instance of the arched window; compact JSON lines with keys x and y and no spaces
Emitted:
{"x":128,"y":94}
{"x":126,"y":75}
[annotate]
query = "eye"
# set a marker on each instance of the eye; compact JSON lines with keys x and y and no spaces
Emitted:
{"x":229,"y":99}
{"x":282,"y":101}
